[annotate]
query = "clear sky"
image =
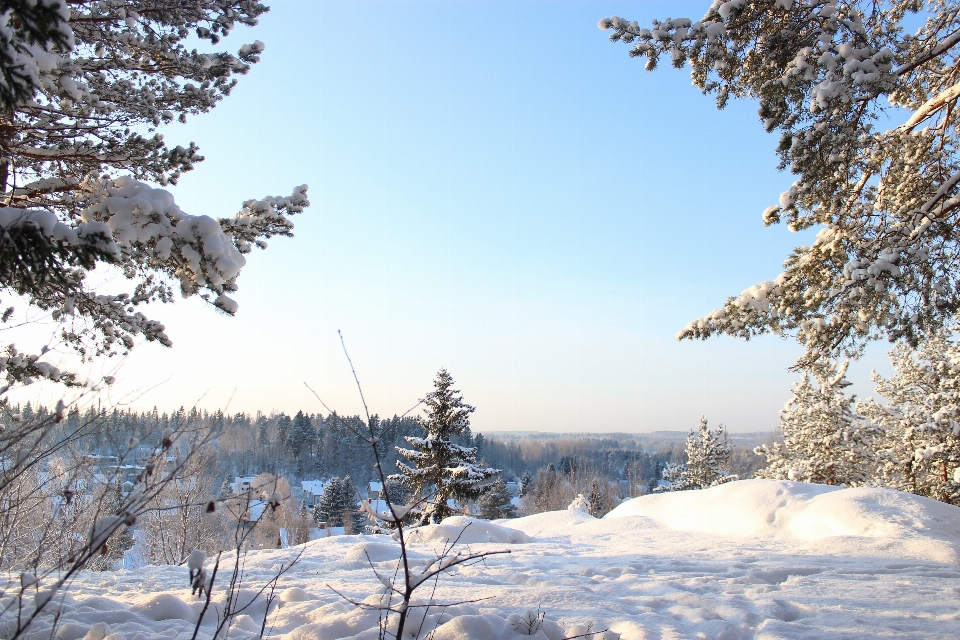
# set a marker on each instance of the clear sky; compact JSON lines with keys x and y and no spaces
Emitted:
{"x":498,"y":190}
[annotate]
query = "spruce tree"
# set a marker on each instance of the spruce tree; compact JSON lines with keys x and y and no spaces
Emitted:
{"x":339,"y":506}
{"x":301,"y":437}
{"x":441,"y":471}
{"x":333,"y":502}
{"x":496,"y":502}
{"x":596,"y":499}
{"x":824,"y":440}
{"x":525,"y":483}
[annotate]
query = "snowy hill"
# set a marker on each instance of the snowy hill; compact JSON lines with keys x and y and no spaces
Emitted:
{"x":756,"y":559}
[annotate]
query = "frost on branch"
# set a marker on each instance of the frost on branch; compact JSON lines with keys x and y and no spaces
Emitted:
{"x":887,"y":200}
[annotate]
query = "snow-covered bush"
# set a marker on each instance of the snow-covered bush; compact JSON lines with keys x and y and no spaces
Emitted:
{"x":886,"y":200}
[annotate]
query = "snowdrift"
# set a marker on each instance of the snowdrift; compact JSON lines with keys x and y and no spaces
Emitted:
{"x":463,"y":530}
{"x":831,"y":517}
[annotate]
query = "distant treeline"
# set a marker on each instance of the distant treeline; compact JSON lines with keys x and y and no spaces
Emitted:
{"x":312,"y":446}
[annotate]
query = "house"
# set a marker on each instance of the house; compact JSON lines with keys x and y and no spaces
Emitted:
{"x":241,"y":484}
{"x":373,"y":490}
{"x":311,"y":491}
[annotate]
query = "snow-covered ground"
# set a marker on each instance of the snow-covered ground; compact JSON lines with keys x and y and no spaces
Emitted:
{"x":750,"y":559}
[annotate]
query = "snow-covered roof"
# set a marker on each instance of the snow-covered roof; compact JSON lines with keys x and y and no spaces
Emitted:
{"x":313,"y":487}
{"x":376,"y":486}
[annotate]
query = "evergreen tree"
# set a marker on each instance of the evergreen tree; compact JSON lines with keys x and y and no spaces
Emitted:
{"x":708,"y":461}
{"x":333,"y":502}
{"x":339,"y":505}
{"x":84,"y":87}
{"x":824,"y":440}
{"x":919,"y":448}
{"x":496,"y":502}
{"x":443,"y":471}
{"x":884,"y":197}
{"x":284,"y":423}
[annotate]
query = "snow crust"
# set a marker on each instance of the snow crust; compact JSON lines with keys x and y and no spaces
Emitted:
{"x":758,"y":559}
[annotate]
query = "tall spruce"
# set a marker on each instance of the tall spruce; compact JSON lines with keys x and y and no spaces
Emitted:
{"x":443,"y":472}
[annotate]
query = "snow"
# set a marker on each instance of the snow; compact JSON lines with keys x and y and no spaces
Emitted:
{"x":467,"y":531}
{"x":758,"y":559}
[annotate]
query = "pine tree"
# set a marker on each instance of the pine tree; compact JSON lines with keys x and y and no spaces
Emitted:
{"x":86,"y":85}
{"x":885,"y":199}
{"x":919,"y":448}
{"x":824,"y":440}
{"x":29,"y":31}
{"x":708,"y":461}
{"x":496,"y":502}
{"x":443,"y":471}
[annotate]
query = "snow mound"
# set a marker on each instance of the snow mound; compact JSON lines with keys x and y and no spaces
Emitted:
{"x":362,"y":554}
{"x":295,"y":594}
{"x":467,"y":531}
{"x":164,"y":606}
{"x":807,"y":513}
{"x":550,"y":523}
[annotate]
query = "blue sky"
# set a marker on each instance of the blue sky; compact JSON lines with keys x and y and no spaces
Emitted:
{"x":498,"y":190}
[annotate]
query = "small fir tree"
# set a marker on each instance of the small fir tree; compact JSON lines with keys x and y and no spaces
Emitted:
{"x":442,"y":471}
{"x":525,"y":483}
{"x":334,"y":501}
{"x":597,"y":499}
{"x":497,"y":503}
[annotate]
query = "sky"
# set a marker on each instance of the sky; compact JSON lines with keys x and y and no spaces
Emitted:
{"x":498,"y":190}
